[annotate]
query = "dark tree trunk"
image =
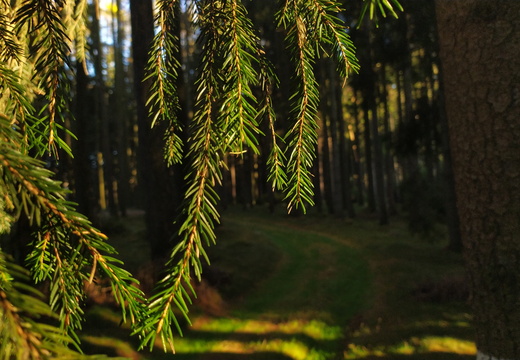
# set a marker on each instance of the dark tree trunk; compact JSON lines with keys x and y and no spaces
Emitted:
{"x":371,"y":200}
{"x":105,"y":159}
{"x":121,"y":114}
{"x":410,"y":158}
{"x":327,"y":153}
{"x":340,"y":179}
{"x":479,"y":46}
{"x":378,"y":169}
{"x":83,"y":184}
{"x":450,"y":196}
{"x":388,"y":158}
{"x":157,"y":195}
{"x":356,"y":154}
{"x":344,"y":146}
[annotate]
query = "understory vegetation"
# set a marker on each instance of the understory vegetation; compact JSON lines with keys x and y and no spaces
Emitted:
{"x":309,"y":287}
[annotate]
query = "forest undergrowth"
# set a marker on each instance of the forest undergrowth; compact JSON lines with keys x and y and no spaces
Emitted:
{"x":307,"y":287}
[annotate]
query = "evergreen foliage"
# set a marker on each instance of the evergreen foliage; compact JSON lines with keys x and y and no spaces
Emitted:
{"x":38,"y":39}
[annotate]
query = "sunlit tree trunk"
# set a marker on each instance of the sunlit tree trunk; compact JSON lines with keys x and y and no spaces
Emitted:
{"x":479,"y":47}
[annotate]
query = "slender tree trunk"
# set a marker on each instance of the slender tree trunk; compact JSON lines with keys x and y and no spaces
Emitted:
{"x":410,"y":161}
{"x":344,"y":147}
{"x":371,"y":200}
{"x":479,"y":46}
{"x":105,"y":163}
{"x":340,"y":165}
{"x":400,"y":121}
{"x":155,"y":178}
{"x":121,"y":113}
{"x":370,"y":97}
{"x":356,"y":152}
{"x":378,"y":168}
{"x":388,"y":158}
{"x":83,"y":187}
{"x":326,"y":173}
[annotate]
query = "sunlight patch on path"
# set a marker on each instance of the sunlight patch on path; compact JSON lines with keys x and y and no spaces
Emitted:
{"x":318,"y":330}
{"x":296,"y":339}
{"x":414,"y":346}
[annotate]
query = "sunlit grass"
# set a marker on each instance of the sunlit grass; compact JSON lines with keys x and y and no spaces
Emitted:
{"x":414,"y":346}
{"x":295,"y":339}
{"x":446,"y":344}
{"x":318,"y":330}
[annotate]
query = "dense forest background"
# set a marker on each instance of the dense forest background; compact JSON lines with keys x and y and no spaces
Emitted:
{"x":382,"y":144}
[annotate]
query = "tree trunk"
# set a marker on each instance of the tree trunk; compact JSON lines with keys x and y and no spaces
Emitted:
{"x":340,"y":164}
{"x":390,"y":182}
{"x":121,"y":112}
{"x":368,"y":157}
{"x":83,"y":184}
{"x":356,"y":150}
{"x":344,"y":153}
{"x":105,"y":159}
{"x":479,"y":47}
{"x":155,"y":178}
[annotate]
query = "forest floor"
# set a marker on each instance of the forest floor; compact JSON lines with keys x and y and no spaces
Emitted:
{"x":310,"y":287}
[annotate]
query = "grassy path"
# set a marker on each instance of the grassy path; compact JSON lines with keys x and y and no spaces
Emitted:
{"x":296,"y":305}
{"x":317,"y":288}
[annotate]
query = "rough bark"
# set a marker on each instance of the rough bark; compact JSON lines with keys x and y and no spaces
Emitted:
{"x":479,"y":47}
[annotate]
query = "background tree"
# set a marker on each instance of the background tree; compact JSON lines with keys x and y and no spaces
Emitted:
{"x":479,"y":44}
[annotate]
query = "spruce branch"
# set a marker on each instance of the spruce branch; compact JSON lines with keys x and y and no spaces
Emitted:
{"x":378,"y":8}
{"x":74,"y":15}
{"x":239,"y":69}
{"x":333,"y":31}
{"x":9,"y":47}
{"x":25,"y":329}
{"x":49,"y":50}
{"x":16,"y":104}
{"x":196,"y":231}
{"x":67,"y":247}
{"x":302,"y":137}
{"x":276,"y":160}
{"x":163,"y":68}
